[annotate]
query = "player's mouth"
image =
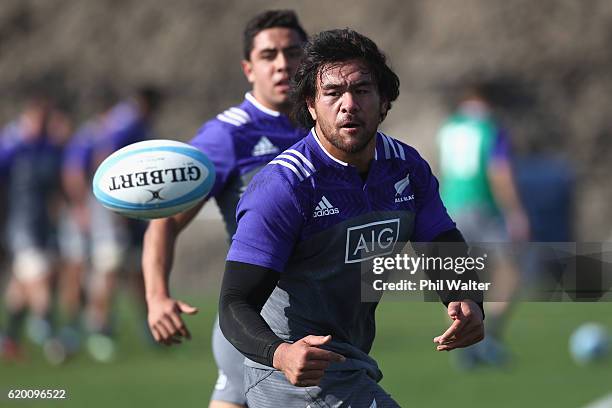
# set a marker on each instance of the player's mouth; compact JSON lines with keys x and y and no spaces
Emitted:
{"x":283,"y":85}
{"x":351,"y":126}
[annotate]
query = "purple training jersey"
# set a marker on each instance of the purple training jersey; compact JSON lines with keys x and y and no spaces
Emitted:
{"x":239,"y":142}
{"x":30,"y":170}
{"x":313,"y":219}
{"x":79,"y":153}
{"x":102,"y":135}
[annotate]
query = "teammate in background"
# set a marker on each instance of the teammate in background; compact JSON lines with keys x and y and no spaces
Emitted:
{"x":477,"y":187}
{"x":239,"y":141}
{"x":30,"y":162}
{"x":95,"y":238}
{"x":291,"y":293}
{"x":89,"y":234}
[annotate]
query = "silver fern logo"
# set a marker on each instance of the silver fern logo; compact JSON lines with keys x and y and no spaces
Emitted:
{"x":401,"y":185}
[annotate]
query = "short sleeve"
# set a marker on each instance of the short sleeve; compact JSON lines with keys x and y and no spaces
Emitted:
{"x":500,"y":150}
{"x":9,"y":145}
{"x":119,"y":137}
{"x":269,"y":223}
{"x":137,"y":131}
{"x":431,"y":219}
{"x":78,"y":153}
{"x":216,"y":143}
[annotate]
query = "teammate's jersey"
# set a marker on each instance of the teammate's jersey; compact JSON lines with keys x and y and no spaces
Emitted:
{"x":239,"y":142}
{"x":32,"y":172}
{"x":124,"y":126}
{"x":312,"y":218}
{"x":468,"y":143}
{"x":79,"y":153}
{"x":102,"y":135}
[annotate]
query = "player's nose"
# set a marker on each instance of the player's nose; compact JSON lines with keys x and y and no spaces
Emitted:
{"x":281,"y":62}
{"x":349,"y":104}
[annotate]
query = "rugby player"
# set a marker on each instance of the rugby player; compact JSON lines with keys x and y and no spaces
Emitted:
{"x":112,"y":243}
{"x":30,"y":161}
{"x":479,"y":189}
{"x":239,"y":142}
{"x":290,"y":298}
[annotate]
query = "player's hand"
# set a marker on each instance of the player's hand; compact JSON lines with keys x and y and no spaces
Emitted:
{"x":82,"y":217}
{"x":467,"y":327}
{"x":165,"y":320}
{"x":303,"y":362}
{"x":518,"y":227}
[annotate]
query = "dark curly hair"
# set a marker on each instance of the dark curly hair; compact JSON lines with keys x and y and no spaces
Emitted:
{"x":336,"y":46}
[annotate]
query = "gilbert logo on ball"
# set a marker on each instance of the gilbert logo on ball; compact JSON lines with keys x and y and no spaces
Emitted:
{"x":153,"y":179}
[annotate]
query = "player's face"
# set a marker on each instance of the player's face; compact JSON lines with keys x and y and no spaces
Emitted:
{"x":275,"y":57}
{"x":347,"y":108}
{"x":34,"y":121}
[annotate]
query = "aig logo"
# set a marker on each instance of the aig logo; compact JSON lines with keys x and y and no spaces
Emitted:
{"x":371,"y":240}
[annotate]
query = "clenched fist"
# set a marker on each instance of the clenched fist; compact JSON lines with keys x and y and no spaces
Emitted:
{"x":303,"y":362}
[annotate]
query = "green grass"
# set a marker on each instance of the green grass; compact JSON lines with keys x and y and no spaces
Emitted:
{"x":542,"y":375}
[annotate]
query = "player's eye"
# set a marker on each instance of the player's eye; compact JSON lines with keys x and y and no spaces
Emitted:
{"x":332,"y":93}
{"x":294,"y":54}
{"x":268,"y":56}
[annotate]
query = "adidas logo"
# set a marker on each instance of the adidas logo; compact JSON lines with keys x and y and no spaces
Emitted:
{"x":263,"y":147}
{"x":324,"y":208}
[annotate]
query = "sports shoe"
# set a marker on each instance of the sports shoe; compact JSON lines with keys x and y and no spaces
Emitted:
{"x":101,"y":348}
{"x":54,"y":351}
{"x":10,"y":350}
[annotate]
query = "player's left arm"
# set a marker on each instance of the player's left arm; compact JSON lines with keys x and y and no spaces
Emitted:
{"x":437,"y":235}
{"x":465,"y":308}
{"x":466,"y":329}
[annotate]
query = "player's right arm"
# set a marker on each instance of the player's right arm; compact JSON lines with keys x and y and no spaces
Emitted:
{"x":164,"y":312}
{"x":269,"y":222}
{"x":244,"y":291}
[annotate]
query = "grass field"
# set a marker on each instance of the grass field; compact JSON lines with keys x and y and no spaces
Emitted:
{"x":542,"y":375}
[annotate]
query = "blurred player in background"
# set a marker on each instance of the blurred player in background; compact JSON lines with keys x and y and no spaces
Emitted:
{"x":478,"y":188}
{"x":94,"y":238}
{"x":85,"y":218}
{"x":239,"y":141}
{"x":291,"y":296}
{"x":30,"y":164}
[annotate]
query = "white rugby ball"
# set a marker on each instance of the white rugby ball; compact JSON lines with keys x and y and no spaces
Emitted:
{"x":153,"y":179}
{"x":590,"y":343}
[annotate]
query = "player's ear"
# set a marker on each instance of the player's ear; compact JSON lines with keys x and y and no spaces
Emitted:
{"x":311,"y":109}
{"x":384,"y":108}
{"x":247,"y":69}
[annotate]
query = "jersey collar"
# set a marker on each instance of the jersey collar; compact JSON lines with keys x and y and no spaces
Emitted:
{"x":249,"y":97}
{"x":313,"y":140}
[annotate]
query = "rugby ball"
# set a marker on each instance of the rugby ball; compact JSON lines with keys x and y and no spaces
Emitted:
{"x":589,"y":343}
{"x":153,"y":179}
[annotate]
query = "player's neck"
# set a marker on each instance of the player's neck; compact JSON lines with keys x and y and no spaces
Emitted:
{"x":361,"y":160}
{"x":284,"y":109}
